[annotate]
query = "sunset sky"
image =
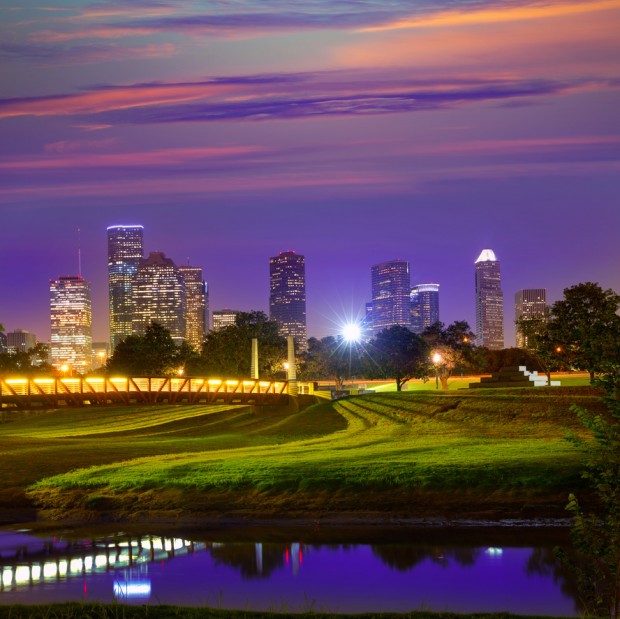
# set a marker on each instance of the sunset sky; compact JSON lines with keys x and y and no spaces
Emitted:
{"x":352,"y":131}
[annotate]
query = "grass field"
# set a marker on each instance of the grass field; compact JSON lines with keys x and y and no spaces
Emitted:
{"x":411,"y":453}
{"x":457,"y":382}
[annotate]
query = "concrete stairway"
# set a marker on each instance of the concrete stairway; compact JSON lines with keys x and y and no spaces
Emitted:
{"x":513,"y":376}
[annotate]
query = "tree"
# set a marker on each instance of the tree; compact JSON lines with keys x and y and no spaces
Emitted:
{"x":596,"y":536}
{"x":541,"y":344}
{"x":26,"y":362}
{"x":330,"y":358}
{"x":152,"y":354}
{"x":227,"y":352}
{"x":587,"y":327}
{"x":398,"y":353}
{"x":452,"y":346}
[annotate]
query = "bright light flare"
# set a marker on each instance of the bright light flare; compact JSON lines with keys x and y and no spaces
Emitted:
{"x":352,"y":332}
{"x":437,"y":358}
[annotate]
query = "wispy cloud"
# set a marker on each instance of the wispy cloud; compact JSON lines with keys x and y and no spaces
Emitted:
{"x":76,"y":155}
{"x":82,"y":54}
{"x":241,"y":18}
{"x":283,"y":96}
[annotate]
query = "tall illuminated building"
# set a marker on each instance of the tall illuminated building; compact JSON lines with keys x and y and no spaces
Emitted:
{"x":424,"y":306}
{"x":287,"y":295}
{"x":71,"y":322}
{"x":489,"y":302}
{"x":530,"y":303}
{"x":125,"y":250}
{"x":158,"y":294}
{"x":196,"y":305}
{"x":391,"y":289}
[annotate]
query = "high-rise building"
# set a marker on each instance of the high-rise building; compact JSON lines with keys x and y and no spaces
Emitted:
{"x":20,"y":340}
{"x":158,"y":295}
{"x":530,"y":303}
{"x":424,"y":306}
{"x":224,"y":318}
{"x":287,"y":295}
{"x":125,"y":250}
{"x":3,"y":344}
{"x":71,"y":318}
{"x":195,"y":305}
{"x":489,"y":302}
{"x":391,"y":288}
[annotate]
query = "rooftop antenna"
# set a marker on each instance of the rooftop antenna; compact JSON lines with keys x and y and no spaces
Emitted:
{"x":187,"y":260}
{"x":79,"y":240}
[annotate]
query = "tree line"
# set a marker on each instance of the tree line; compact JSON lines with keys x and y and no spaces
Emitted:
{"x":581,"y":331}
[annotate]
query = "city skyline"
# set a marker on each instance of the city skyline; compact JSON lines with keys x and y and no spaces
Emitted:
{"x":421,"y":131}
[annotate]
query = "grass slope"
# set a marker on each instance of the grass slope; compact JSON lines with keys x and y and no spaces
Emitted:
{"x":415,"y":454}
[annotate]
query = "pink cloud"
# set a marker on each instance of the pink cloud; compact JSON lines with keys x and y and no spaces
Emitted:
{"x":75,"y":156}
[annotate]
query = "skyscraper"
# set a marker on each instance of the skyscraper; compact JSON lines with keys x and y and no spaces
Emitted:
{"x":195,"y":305}
{"x":489,"y":302}
{"x":287,"y":295}
{"x":125,"y":250}
{"x":158,"y":294}
{"x":424,"y":306}
{"x":71,"y":318}
{"x":20,"y":340}
{"x":391,"y":288}
{"x":530,"y":303}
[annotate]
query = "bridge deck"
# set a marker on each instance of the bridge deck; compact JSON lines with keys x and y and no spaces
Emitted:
{"x":54,"y":392}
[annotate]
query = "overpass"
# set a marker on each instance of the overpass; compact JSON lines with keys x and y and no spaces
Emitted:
{"x":56,"y":392}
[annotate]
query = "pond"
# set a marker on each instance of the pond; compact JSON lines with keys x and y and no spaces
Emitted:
{"x":395,"y":570}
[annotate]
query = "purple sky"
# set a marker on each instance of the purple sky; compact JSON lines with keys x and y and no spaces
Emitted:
{"x":353,"y":131}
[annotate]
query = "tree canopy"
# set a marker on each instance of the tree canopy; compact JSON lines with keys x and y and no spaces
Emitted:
{"x":586,"y":325}
{"x":449,"y":347}
{"x":153,"y":353}
{"x":26,"y":362}
{"x":227,"y":352}
{"x":331,"y":358}
{"x":398,"y":353}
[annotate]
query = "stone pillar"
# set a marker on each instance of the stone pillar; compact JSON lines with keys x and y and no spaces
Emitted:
{"x":254,"y":361}
{"x":291,"y":373}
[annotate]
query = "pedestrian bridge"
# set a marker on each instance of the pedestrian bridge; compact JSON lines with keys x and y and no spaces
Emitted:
{"x":55,"y":392}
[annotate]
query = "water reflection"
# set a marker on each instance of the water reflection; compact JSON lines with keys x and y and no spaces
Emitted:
{"x":287,"y":576}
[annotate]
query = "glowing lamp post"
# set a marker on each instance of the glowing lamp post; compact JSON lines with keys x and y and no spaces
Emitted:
{"x":352,"y":334}
{"x":437,"y":360}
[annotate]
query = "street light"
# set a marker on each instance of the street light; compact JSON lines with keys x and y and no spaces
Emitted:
{"x":437,"y":360}
{"x":352,"y":333}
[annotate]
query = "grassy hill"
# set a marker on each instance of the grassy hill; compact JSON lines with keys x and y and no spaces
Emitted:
{"x":488,"y":454}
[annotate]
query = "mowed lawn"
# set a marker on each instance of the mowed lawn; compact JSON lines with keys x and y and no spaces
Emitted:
{"x":487,"y":441}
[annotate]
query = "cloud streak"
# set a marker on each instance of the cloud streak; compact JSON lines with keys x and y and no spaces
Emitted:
{"x":284,"y":96}
{"x":248,"y":19}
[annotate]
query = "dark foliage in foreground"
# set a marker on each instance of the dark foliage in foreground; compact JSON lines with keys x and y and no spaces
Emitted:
{"x":120,"y":611}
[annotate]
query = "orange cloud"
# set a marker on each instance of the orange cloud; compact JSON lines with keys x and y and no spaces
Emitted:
{"x":115,"y":98}
{"x":492,"y":16}
{"x":565,"y":45}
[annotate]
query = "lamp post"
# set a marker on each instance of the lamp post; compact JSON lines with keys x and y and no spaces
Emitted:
{"x":437,"y":360}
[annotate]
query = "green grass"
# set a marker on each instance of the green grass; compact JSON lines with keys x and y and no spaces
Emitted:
{"x":360,"y":453}
{"x":456,"y":382}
